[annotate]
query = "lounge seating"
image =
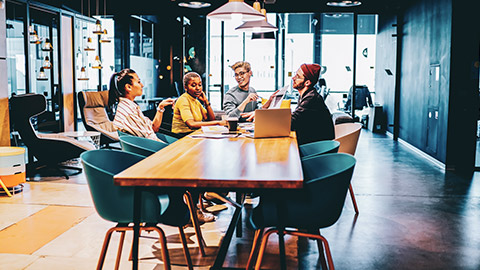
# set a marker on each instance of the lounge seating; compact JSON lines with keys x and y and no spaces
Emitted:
{"x":94,"y":115}
{"x":49,"y":149}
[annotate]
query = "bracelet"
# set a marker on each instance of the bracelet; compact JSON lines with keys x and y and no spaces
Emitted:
{"x":207,"y":104}
{"x":160,"y":109}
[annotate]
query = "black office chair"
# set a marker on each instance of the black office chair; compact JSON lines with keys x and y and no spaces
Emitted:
{"x":49,"y":149}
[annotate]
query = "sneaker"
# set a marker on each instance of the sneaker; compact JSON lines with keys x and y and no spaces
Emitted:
{"x":208,"y":197}
{"x":204,"y":217}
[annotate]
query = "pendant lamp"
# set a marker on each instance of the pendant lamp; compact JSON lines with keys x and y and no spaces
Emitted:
{"x":42,"y":76}
{"x":194,"y":4}
{"x":47,"y":46}
{"x":97,"y":64}
{"x":235,"y":10}
{"x":46,"y":63}
{"x":261,"y":26}
{"x":34,"y":39}
{"x":89,"y":43}
{"x":83,"y":75}
{"x":343,"y":3}
{"x":265,"y":35}
{"x":104,"y":38}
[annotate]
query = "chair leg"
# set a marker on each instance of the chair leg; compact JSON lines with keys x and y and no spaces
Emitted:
{"x":120,"y":247}
{"x":352,"y":195}
{"x":108,"y":235}
{"x":262,"y":247}
{"x":185,"y":248}
{"x":253,"y":253}
{"x":321,"y":253}
{"x":316,"y":236}
{"x":163,"y":242}
{"x":196,"y":225}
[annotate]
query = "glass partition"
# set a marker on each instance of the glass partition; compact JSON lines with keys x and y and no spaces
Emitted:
{"x":15,"y":13}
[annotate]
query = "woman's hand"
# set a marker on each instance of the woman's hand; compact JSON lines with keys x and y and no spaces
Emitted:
{"x":165,"y":103}
{"x":203,"y":98}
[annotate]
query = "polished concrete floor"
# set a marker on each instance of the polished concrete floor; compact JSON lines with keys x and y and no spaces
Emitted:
{"x":413,"y":215}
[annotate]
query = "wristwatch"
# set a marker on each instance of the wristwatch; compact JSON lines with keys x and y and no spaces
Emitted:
{"x":160,"y":109}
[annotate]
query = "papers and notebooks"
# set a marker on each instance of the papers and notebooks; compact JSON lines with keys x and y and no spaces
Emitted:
{"x":214,"y":132}
{"x":277,"y":100}
{"x":272,"y":123}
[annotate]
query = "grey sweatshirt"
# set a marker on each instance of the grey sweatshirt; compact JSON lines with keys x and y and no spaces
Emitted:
{"x":234,"y":97}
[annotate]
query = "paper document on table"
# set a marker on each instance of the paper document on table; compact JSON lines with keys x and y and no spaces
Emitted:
{"x":214,"y":135}
{"x":277,"y":100}
{"x":214,"y":129}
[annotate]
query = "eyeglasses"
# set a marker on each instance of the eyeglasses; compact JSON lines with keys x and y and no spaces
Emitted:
{"x":239,"y":74}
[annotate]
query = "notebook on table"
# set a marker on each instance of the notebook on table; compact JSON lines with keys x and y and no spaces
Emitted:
{"x":272,"y":123}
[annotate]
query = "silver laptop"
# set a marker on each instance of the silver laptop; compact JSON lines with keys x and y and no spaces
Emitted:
{"x":272,"y":123}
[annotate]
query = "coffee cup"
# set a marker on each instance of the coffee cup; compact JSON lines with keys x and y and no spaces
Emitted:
{"x":232,"y":124}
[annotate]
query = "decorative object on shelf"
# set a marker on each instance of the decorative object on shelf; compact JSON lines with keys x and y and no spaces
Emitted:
{"x":343,"y":3}
{"x":260,"y":26}
{"x":34,"y":39}
{"x":46,"y":63}
{"x":194,"y":4}
{"x":104,"y":38}
{"x":83,"y":75}
{"x":97,"y":64}
{"x":47,"y":46}
{"x":41,"y":75}
{"x":89,"y":43}
{"x":236,"y":10}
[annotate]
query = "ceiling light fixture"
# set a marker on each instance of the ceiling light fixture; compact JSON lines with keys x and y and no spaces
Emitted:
{"x":261,"y":26}
{"x":89,"y":42}
{"x":42,"y":76}
{"x":47,"y":46}
{"x":344,"y":3}
{"x":98,"y":25}
{"x":46,"y":63}
{"x":104,"y":38}
{"x":235,"y":10}
{"x":266,"y":35}
{"x":83,"y":75}
{"x":194,"y":4}
{"x":97,"y":64}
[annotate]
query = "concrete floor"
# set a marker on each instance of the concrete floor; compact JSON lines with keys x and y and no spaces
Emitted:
{"x":413,"y":215}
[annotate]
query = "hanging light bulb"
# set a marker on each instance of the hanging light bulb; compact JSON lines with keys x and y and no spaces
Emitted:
{"x":46,"y":63}
{"x":47,"y":46}
{"x":97,"y":64}
{"x":98,"y":28}
{"x":236,"y":10}
{"x":104,"y":38}
{"x":261,"y":26}
{"x":34,"y":39}
{"x":89,"y":44}
{"x":31,"y":30}
{"x":83,"y":75}
{"x":42,"y":76}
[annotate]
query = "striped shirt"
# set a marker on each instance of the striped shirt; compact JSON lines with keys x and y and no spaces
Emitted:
{"x":129,"y":118}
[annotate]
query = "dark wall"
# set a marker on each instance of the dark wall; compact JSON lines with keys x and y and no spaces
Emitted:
{"x":385,"y":60}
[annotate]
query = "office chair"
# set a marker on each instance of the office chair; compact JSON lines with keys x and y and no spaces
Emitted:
{"x":115,"y":203}
{"x":318,"y":205}
{"x":318,"y":148}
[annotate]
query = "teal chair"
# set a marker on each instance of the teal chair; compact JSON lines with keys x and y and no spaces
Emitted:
{"x":164,"y":137}
{"x":146,"y":147}
{"x":115,"y":203}
{"x":318,"y":205}
{"x":141,"y":146}
{"x":318,"y":148}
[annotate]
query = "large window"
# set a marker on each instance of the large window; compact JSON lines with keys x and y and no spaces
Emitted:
{"x":15,"y":49}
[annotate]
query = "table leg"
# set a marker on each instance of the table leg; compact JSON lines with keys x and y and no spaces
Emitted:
{"x":137,"y":201}
{"x":281,"y":208}
{"x":222,"y":251}
{"x":239,"y":200}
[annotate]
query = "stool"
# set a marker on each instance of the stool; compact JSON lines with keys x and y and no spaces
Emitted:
{"x":12,"y":167}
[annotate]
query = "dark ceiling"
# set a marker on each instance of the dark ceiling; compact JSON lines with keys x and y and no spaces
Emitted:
{"x":159,"y":7}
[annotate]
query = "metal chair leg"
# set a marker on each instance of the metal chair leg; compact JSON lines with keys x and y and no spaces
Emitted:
{"x":352,"y":195}
{"x":185,"y":248}
{"x":320,"y":237}
{"x":108,"y":235}
{"x":163,"y":242}
{"x":321,"y":253}
{"x":196,"y":225}
{"x":120,"y":247}
{"x":256,"y":244}
{"x":263,"y":246}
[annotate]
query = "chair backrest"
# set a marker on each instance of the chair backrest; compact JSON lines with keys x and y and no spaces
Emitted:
{"x":319,"y":204}
{"x":166,"y":138}
{"x":94,"y":115}
{"x":141,"y":146}
{"x":318,"y":148}
{"x":347,"y":134}
{"x":112,"y":202}
{"x":23,"y":108}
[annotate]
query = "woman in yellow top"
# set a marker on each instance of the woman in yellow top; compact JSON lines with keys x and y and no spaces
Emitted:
{"x":189,"y":113}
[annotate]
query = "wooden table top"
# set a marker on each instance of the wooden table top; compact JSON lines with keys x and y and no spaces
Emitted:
{"x":220,"y":163}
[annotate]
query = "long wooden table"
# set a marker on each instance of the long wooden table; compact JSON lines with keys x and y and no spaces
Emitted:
{"x":235,"y":164}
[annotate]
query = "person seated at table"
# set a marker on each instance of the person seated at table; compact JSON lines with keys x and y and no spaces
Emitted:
{"x":311,"y":120}
{"x":192,"y":109}
{"x":125,"y":86}
{"x":241,"y":98}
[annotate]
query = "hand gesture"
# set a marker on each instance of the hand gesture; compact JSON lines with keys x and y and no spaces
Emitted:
{"x":267,"y":104}
{"x":203,"y":98}
{"x":250,"y":116}
{"x":166,"y":102}
{"x":251,"y":97}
